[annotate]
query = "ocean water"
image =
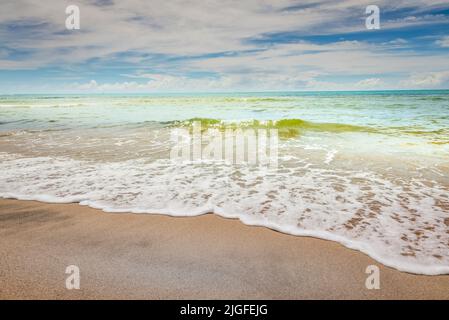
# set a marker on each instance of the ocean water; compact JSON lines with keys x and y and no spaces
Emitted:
{"x":369,"y":170}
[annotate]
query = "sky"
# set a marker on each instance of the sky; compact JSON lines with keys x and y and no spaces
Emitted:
{"x":220,"y":45}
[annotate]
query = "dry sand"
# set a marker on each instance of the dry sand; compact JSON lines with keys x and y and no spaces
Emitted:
{"x":158,"y":257}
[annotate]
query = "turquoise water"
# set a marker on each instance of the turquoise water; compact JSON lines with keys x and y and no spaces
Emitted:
{"x":413,"y":112}
{"x":366,"y":169}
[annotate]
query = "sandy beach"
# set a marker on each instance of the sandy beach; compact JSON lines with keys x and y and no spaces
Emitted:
{"x":131,"y":256}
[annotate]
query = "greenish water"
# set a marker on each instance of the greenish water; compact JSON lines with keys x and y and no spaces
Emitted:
{"x":405,"y":112}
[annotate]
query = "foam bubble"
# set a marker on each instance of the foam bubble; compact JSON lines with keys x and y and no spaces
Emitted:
{"x":401,"y":223}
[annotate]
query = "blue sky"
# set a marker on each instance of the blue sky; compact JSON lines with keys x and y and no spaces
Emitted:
{"x":218,"y":45}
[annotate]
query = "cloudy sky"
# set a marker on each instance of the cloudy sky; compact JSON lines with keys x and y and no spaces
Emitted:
{"x":221,"y":45}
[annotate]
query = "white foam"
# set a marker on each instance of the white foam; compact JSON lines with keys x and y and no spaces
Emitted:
{"x":397,"y":222}
{"x":330,"y":156}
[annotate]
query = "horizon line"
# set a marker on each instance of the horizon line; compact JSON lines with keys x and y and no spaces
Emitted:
{"x":219,"y":92}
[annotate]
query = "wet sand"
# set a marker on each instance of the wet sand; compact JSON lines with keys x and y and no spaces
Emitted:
{"x":130,"y":256}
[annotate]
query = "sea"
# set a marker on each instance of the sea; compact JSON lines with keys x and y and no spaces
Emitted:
{"x":367,"y":169}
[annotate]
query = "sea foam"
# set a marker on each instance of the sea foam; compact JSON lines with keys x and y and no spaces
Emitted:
{"x":400,"y":223}
{"x":369,"y":170}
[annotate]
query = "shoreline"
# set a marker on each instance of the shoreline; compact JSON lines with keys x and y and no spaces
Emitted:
{"x":143,"y":256}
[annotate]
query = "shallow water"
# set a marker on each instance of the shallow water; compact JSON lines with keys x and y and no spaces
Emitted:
{"x":366,"y":169}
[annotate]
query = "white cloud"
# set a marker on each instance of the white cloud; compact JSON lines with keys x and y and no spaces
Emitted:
{"x":131,"y":32}
{"x":443,"y":42}
{"x":340,"y":58}
{"x":426,"y":80}
{"x":369,"y":83}
{"x":167,"y":83}
{"x":156,"y":83}
{"x":397,"y":42}
{"x":177,"y":27}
